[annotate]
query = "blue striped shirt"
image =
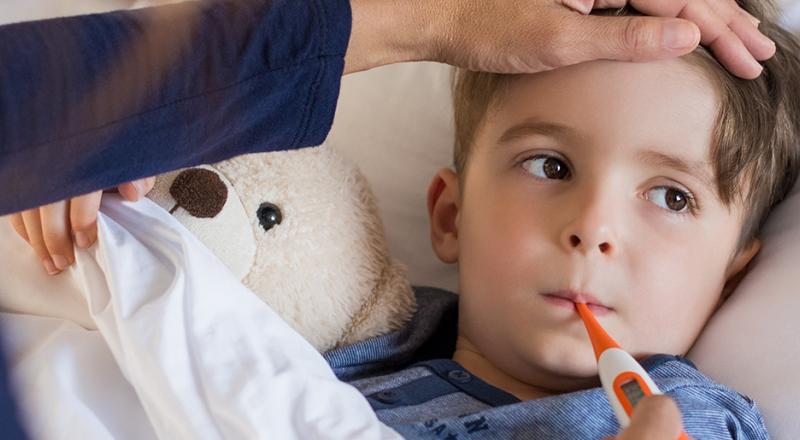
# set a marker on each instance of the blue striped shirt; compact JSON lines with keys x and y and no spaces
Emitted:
{"x":414,"y":387}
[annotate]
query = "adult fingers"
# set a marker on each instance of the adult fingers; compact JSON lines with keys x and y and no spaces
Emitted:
{"x":712,"y":18}
{"x":745,"y":26}
{"x":18,"y":225}
{"x":582,"y":6}
{"x":33,"y":229}
{"x":56,"y":233}
{"x":129,"y":191}
{"x":147,"y":185}
{"x":735,"y":6}
{"x":83,"y":218}
{"x":133,"y":191}
{"x":727,"y":47}
{"x":654,"y":418}
{"x":626,"y":39}
{"x":604,"y":4}
{"x":732,"y":45}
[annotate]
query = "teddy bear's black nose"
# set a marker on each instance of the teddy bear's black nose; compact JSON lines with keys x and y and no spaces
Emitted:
{"x":200,"y":192}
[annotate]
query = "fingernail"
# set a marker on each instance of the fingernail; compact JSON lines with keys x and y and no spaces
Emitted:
{"x":679,"y":35}
{"x":49,"y":267}
{"x":758,"y":66}
{"x":60,"y":262}
{"x":82,"y":240}
{"x":139,"y":189}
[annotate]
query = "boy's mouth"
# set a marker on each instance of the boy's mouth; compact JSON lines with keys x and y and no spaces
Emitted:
{"x":569,"y":298}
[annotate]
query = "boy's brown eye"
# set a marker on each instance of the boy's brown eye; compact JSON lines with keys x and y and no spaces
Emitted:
{"x":671,"y":199}
{"x":554,"y":169}
{"x":547,"y":167}
{"x":676,"y":200}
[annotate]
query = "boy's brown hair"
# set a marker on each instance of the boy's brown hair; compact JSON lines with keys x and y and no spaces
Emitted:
{"x":756,"y":149}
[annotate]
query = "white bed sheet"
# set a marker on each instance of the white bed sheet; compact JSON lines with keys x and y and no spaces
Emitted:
{"x":149,"y":335}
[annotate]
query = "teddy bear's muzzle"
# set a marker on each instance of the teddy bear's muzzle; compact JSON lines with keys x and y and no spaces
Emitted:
{"x":200,"y":192}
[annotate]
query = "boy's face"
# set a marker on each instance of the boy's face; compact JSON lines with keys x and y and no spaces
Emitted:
{"x":574,"y":184}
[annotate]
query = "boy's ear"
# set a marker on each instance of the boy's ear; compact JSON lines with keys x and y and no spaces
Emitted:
{"x":443,"y":212}
{"x":737,"y":269}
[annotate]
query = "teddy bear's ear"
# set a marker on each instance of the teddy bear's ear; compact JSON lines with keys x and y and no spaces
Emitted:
{"x":203,"y":200}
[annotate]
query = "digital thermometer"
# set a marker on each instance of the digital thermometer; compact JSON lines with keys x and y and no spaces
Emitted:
{"x":623,"y":379}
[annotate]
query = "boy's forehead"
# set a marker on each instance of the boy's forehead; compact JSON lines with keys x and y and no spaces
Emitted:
{"x":671,"y":90}
{"x":665,"y":106}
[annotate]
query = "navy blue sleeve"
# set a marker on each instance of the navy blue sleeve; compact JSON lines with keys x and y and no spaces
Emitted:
{"x":92,"y":101}
{"x":10,"y":425}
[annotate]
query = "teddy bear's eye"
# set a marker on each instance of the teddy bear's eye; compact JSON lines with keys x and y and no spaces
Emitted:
{"x":269,"y":216}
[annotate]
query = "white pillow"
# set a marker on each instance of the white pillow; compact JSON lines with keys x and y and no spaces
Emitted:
{"x":396,"y":123}
{"x":753,"y":341}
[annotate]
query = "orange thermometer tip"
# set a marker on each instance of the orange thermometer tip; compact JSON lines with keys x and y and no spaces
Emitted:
{"x":618,"y":370}
{"x":601,"y":341}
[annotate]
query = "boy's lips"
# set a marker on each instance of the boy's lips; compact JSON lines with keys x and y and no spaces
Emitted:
{"x":569,"y":298}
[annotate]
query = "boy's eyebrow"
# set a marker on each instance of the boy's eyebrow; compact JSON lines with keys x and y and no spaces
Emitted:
{"x":535,"y":126}
{"x":698,"y":169}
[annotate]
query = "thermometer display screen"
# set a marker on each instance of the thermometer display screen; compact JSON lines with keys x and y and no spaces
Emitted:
{"x":632,"y":391}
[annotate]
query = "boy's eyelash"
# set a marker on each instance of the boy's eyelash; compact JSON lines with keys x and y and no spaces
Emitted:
{"x":694,"y":205}
{"x":545,"y":155}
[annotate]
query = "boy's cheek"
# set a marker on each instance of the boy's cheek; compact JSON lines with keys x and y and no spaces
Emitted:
{"x":663,"y":327}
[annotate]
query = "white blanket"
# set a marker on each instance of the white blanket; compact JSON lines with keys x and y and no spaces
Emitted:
{"x":149,"y":335}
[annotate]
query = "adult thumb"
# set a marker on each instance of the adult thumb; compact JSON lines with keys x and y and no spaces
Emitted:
{"x":634,"y":38}
{"x":654,"y":418}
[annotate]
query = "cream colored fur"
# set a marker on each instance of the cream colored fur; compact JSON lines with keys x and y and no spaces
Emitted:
{"x":326,"y":268}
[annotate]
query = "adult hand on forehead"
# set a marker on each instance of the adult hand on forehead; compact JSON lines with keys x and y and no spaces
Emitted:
{"x":50,"y":229}
{"x":729,"y":31}
{"x":519,"y":36}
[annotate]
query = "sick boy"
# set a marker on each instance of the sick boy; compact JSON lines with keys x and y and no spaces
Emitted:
{"x":637,"y":188}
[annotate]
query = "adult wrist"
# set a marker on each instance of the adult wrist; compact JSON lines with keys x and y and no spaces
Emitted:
{"x":390,"y":31}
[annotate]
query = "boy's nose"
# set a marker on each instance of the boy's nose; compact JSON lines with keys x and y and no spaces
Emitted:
{"x":576,"y":243}
{"x":591,"y":230}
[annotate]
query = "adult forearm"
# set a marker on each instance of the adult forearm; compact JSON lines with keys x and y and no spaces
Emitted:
{"x":390,"y":31}
{"x":89,"y":102}
{"x":528,"y":36}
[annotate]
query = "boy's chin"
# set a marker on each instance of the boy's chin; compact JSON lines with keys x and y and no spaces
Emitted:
{"x":579,"y":372}
{"x":569,"y":363}
{"x":567,"y":379}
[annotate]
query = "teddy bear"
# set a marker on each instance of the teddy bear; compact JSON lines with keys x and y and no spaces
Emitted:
{"x":300,"y":229}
